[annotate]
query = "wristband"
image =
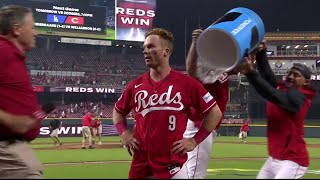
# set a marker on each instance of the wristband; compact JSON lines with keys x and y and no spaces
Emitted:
{"x":201,"y":135}
{"x":121,"y":127}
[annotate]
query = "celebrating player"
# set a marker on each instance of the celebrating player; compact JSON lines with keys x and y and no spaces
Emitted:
{"x":287,"y":107}
{"x":20,"y":114}
{"x":161,"y":99}
{"x":198,"y":158}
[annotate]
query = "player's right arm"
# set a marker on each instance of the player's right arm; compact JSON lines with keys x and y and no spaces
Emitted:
{"x":120,"y":112}
{"x":18,"y":124}
{"x":191,"y":61}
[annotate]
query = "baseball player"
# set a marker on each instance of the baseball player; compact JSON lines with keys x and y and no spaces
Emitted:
{"x":94,"y":127}
{"x":99,"y":130}
{"x":198,"y":158}
{"x":287,"y":106}
{"x":244,"y":131}
{"x":161,"y":99}
{"x":86,"y":132}
{"x":55,"y":124}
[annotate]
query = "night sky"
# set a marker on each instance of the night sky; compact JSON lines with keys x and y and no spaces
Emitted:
{"x":282,"y":15}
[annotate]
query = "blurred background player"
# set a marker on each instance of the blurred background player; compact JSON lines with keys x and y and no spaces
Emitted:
{"x":86,"y":132}
{"x":244,"y":131}
{"x":20,"y":112}
{"x":287,"y":106}
{"x":94,"y":127}
{"x":55,"y":124}
{"x":99,"y":129}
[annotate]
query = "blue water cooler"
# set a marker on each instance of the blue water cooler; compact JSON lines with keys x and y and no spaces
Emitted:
{"x":225,"y":43}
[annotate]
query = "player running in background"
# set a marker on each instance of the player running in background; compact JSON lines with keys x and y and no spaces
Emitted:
{"x":287,"y":106}
{"x":55,"y":124}
{"x":244,"y":131}
{"x":20,"y":113}
{"x":99,"y":129}
{"x":161,"y":99}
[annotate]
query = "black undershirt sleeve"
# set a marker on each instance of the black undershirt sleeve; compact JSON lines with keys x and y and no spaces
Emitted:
{"x":291,"y":100}
{"x":265,"y":69}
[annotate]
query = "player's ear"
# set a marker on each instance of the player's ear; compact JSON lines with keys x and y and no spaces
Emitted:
{"x":167,"y":52}
{"x":307,"y":83}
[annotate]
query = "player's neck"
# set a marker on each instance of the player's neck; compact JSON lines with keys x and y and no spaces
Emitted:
{"x":160,"y":72}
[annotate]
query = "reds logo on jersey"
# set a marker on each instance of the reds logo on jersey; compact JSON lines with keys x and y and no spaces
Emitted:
{"x":150,"y":103}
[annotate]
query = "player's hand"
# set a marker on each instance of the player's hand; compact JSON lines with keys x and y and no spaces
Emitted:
{"x":183,"y":146}
{"x":130,"y":142}
{"x":20,"y":124}
{"x":248,"y":64}
{"x":195,"y":34}
{"x":262,"y":46}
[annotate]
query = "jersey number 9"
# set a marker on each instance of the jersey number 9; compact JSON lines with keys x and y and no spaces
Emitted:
{"x":172,"y":123}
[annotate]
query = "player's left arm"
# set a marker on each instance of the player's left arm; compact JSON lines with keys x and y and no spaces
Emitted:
{"x":209,"y":123}
{"x":291,"y":100}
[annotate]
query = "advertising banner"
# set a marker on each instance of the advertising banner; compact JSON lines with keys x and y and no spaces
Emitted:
{"x":70,"y":89}
{"x":72,"y":130}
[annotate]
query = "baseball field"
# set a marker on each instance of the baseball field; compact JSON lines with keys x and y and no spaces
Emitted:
{"x":229,"y":159}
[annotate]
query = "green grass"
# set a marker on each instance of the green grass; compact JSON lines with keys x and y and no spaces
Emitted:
{"x":92,"y":171}
{"x":81,"y":155}
{"x":245,"y":169}
{"x":75,"y":139}
{"x":218,"y":168}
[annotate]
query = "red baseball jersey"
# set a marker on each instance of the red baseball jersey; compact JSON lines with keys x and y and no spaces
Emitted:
{"x":17,"y":96}
{"x":245,"y":127}
{"x":86,"y":119}
{"x":220,"y":91}
{"x":286,"y":130}
{"x":160,"y":110}
{"x":95,"y":123}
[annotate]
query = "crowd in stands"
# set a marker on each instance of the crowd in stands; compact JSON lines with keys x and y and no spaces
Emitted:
{"x":78,"y":110}
{"x":45,"y":78}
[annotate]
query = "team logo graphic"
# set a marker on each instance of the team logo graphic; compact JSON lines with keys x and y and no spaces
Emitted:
{"x":278,"y":64}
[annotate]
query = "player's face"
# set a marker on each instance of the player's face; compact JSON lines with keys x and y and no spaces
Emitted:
{"x":26,"y":33}
{"x":295,"y":79}
{"x":154,"y":51}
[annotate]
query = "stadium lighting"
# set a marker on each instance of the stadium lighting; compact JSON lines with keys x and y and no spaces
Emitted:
{"x":297,"y":46}
{"x":305,"y":46}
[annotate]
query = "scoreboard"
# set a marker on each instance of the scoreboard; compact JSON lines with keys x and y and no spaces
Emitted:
{"x":93,"y":19}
